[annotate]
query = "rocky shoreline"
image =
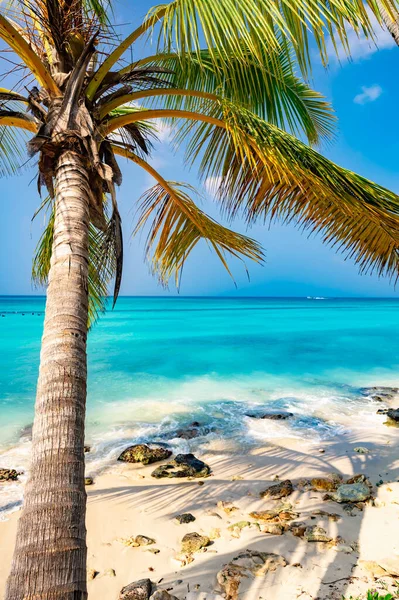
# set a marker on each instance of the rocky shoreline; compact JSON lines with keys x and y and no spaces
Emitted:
{"x":353,"y":495}
{"x":281,"y":521}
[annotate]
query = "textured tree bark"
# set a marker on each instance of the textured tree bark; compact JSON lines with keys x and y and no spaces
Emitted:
{"x":50,"y":555}
{"x":392,"y":26}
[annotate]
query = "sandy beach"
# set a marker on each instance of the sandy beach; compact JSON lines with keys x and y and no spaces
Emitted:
{"x":126,"y":501}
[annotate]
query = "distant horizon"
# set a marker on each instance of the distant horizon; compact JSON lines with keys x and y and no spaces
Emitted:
{"x":223,"y":297}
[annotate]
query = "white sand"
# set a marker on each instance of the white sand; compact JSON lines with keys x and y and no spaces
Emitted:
{"x":127,"y":502}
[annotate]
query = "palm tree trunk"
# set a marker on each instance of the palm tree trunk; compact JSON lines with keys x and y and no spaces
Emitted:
{"x":392,"y":26}
{"x":50,"y":555}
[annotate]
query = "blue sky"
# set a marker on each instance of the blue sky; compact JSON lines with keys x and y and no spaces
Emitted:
{"x":364,"y":94}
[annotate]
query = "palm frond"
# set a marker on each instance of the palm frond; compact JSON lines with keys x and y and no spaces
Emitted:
{"x":261,"y":24}
{"x":250,"y":28}
{"x":117,"y":53}
{"x":283,"y":99}
{"x":177,"y":225}
{"x":133,"y":79}
{"x":17,"y":119}
{"x":12,"y":37}
{"x":42,"y":257}
{"x":102,"y":9}
{"x":265,"y":173}
{"x":138,"y":136}
{"x":12,"y":149}
{"x":101,"y":272}
{"x":7,"y":96}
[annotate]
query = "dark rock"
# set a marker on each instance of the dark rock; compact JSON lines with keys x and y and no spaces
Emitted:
{"x":92,"y":574}
{"x":184,"y":465}
{"x":380,"y":393}
{"x":188,"y":434}
{"x":89,"y":481}
{"x":162,"y":595}
{"x":359,"y":478}
{"x":26,"y":432}
{"x":298,"y":529}
{"x":193,"y":542}
{"x":144,"y":454}
{"x":382,"y":411}
{"x":282,"y":416}
{"x":138,"y":590}
{"x":87,"y":448}
{"x":393,"y":413}
{"x":194,"y":430}
{"x":185,"y":518}
{"x":9,"y":475}
{"x":278,"y":491}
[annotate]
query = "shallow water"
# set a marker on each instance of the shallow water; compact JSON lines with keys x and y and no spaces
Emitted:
{"x":156,"y":364}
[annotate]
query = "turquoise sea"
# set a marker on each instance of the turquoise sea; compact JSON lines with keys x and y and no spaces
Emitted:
{"x":157,"y":364}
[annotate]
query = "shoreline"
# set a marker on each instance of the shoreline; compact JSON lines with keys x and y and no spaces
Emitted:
{"x":128,"y":502}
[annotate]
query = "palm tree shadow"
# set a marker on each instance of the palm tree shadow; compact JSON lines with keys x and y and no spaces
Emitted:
{"x":324,"y":572}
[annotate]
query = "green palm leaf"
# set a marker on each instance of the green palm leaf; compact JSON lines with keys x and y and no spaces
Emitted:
{"x":283,"y":100}
{"x":225,"y":24}
{"x":177,"y":225}
{"x":12,"y":150}
{"x":258,"y":27}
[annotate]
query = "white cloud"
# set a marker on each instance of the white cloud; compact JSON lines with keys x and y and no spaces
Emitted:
{"x":368,"y":94}
{"x":360,"y":47}
{"x":212,"y":184}
{"x":163,"y":131}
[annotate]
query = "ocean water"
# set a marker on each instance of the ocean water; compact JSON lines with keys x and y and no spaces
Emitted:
{"x":157,"y":364}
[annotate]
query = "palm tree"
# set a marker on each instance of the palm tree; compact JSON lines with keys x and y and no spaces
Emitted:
{"x":390,"y":18}
{"x":235,"y":102}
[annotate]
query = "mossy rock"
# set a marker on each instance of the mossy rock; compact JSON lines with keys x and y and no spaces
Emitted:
{"x":9,"y":475}
{"x":278,"y":491}
{"x":141,"y":453}
{"x":193,"y":542}
{"x":184,"y":465}
{"x":323,"y":484}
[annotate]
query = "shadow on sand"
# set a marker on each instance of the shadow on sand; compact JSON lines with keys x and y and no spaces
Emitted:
{"x":313,"y":570}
